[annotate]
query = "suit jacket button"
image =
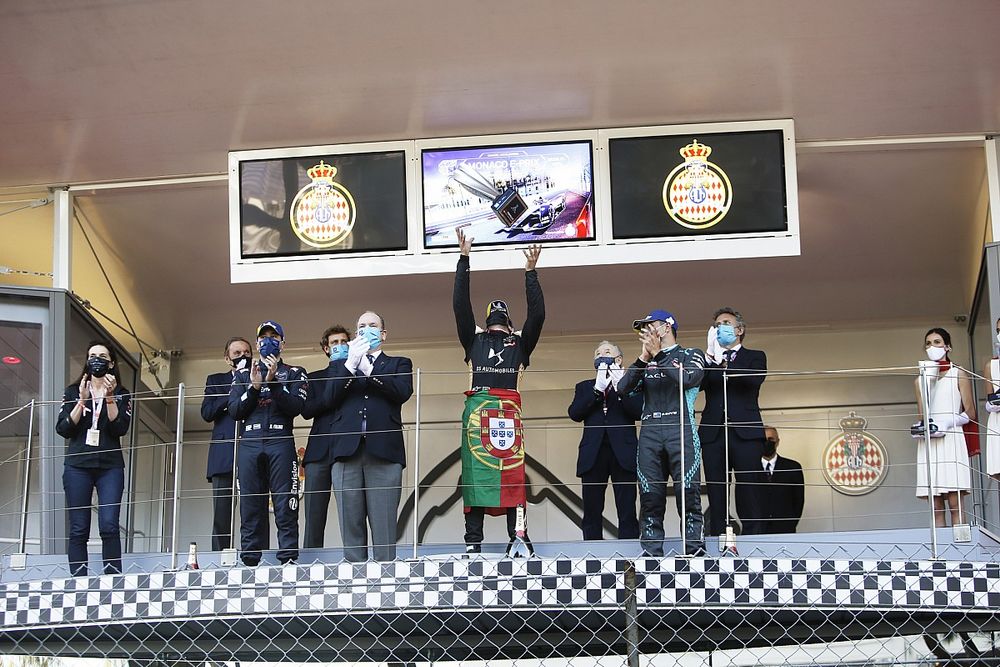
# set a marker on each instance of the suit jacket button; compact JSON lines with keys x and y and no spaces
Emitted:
{"x":366,"y":397}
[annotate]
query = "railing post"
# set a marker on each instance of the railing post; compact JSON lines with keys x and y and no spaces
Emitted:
{"x":23,"y":535}
{"x":416,"y":468}
{"x":631,"y":615}
{"x":925,"y":392}
{"x":177,"y":476}
{"x":725,"y":478}
{"x":228,"y":556}
{"x":683,"y":480}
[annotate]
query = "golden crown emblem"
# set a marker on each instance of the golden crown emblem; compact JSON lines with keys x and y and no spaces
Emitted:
{"x":853,"y":422}
{"x":322,"y":172}
{"x":695,"y":151}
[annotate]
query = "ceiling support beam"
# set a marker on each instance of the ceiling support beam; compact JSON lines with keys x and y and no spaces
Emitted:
{"x":62,"y":239}
{"x":993,"y":184}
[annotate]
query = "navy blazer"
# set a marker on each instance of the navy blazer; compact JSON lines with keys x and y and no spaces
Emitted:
{"x":215,"y":409}
{"x":319,"y":408}
{"x":618,"y":425}
{"x":744,"y":411}
{"x":374,"y":400}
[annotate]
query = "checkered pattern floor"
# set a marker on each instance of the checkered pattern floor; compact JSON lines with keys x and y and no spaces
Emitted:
{"x":424,"y":586}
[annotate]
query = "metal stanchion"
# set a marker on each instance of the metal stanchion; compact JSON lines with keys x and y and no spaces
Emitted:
{"x":177,"y":476}
{"x":416,"y":468}
{"x":683,"y":479}
{"x":19,"y":560}
{"x":961,"y":532}
{"x":729,"y":538}
{"x":631,"y":615}
{"x":926,"y":394}
{"x":228,"y":556}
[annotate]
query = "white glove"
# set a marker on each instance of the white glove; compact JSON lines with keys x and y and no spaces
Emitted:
{"x":992,"y":408}
{"x":356,"y":351}
{"x":713,"y":350}
{"x":951,"y":422}
{"x":603,"y":378}
{"x":616,"y":376}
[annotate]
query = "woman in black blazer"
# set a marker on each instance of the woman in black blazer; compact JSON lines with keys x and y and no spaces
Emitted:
{"x":94,"y":456}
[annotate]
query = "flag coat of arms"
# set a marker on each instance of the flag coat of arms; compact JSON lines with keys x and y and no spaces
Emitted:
{"x":492,"y":449}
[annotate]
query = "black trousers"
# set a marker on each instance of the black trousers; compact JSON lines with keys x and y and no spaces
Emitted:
{"x":268,"y":467}
{"x":744,"y":461}
{"x":316,"y":503}
{"x":744,"y":457}
{"x":222,"y":511}
{"x":474,"y":525}
{"x":595,"y":486}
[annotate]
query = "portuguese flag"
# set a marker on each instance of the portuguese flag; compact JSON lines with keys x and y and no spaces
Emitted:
{"x":492,"y":449}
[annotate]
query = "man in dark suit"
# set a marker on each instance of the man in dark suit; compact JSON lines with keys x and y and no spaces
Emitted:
{"x":782,"y":487}
{"x":744,"y":373}
{"x":215,"y":409}
{"x":317,"y":461}
{"x":607,"y":448}
{"x":369,"y":389}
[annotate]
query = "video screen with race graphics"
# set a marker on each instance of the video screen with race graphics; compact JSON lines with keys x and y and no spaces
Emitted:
{"x":697,"y":184}
{"x":323,"y":204}
{"x":498,"y":195}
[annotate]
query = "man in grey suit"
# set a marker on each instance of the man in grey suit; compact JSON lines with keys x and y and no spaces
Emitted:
{"x":368,"y":391}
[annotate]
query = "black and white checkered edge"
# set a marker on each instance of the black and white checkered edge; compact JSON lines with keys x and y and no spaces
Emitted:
{"x":471,"y":585}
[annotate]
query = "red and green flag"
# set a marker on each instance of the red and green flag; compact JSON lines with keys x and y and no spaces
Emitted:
{"x":492,"y":449}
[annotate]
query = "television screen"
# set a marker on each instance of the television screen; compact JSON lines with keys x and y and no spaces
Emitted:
{"x":526,"y":193}
{"x":697,"y":184}
{"x":322,"y":204}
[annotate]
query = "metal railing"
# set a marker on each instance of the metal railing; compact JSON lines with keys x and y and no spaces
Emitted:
{"x":179,"y":494}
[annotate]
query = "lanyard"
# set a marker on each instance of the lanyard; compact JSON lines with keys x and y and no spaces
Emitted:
{"x":96,"y":405}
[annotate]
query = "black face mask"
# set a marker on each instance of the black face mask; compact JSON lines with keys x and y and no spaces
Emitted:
{"x":98,"y":366}
{"x":770,"y":447}
{"x":498,"y":317}
{"x":241,"y":363}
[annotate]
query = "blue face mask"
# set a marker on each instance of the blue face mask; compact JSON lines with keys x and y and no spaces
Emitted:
{"x":269,"y":347}
{"x":609,"y":361}
{"x":727,"y":334}
{"x":373,"y":335}
{"x":338,"y":352}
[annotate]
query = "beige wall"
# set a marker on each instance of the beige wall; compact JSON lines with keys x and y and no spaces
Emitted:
{"x":28,"y":246}
{"x":805,"y":407}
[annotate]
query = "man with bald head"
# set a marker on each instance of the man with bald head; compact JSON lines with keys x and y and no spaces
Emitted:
{"x":608,"y":445}
{"x":369,"y":388}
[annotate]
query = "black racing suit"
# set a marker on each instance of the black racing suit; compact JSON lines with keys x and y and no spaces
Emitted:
{"x":266,"y":458}
{"x":659,"y":451}
{"x":496,"y":359}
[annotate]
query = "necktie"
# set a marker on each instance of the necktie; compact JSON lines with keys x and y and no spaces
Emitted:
{"x":728,"y":355}
{"x":768,"y":470}
{"x":371,"y":359}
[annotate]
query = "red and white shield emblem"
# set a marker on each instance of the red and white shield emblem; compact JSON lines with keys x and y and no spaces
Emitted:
{"x":501,"y":432}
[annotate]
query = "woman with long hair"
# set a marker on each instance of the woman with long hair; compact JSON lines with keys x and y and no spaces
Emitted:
{"x":96,"y":412}
{"x":950,"y":407}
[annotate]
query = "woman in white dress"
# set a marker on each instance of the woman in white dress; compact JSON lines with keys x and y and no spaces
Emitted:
{"x":951,"y":407}
{"x":992,"y":375}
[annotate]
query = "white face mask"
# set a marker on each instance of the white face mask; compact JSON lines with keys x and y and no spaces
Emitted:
{"x":936,"y":353}
{"x":998,"y":336}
